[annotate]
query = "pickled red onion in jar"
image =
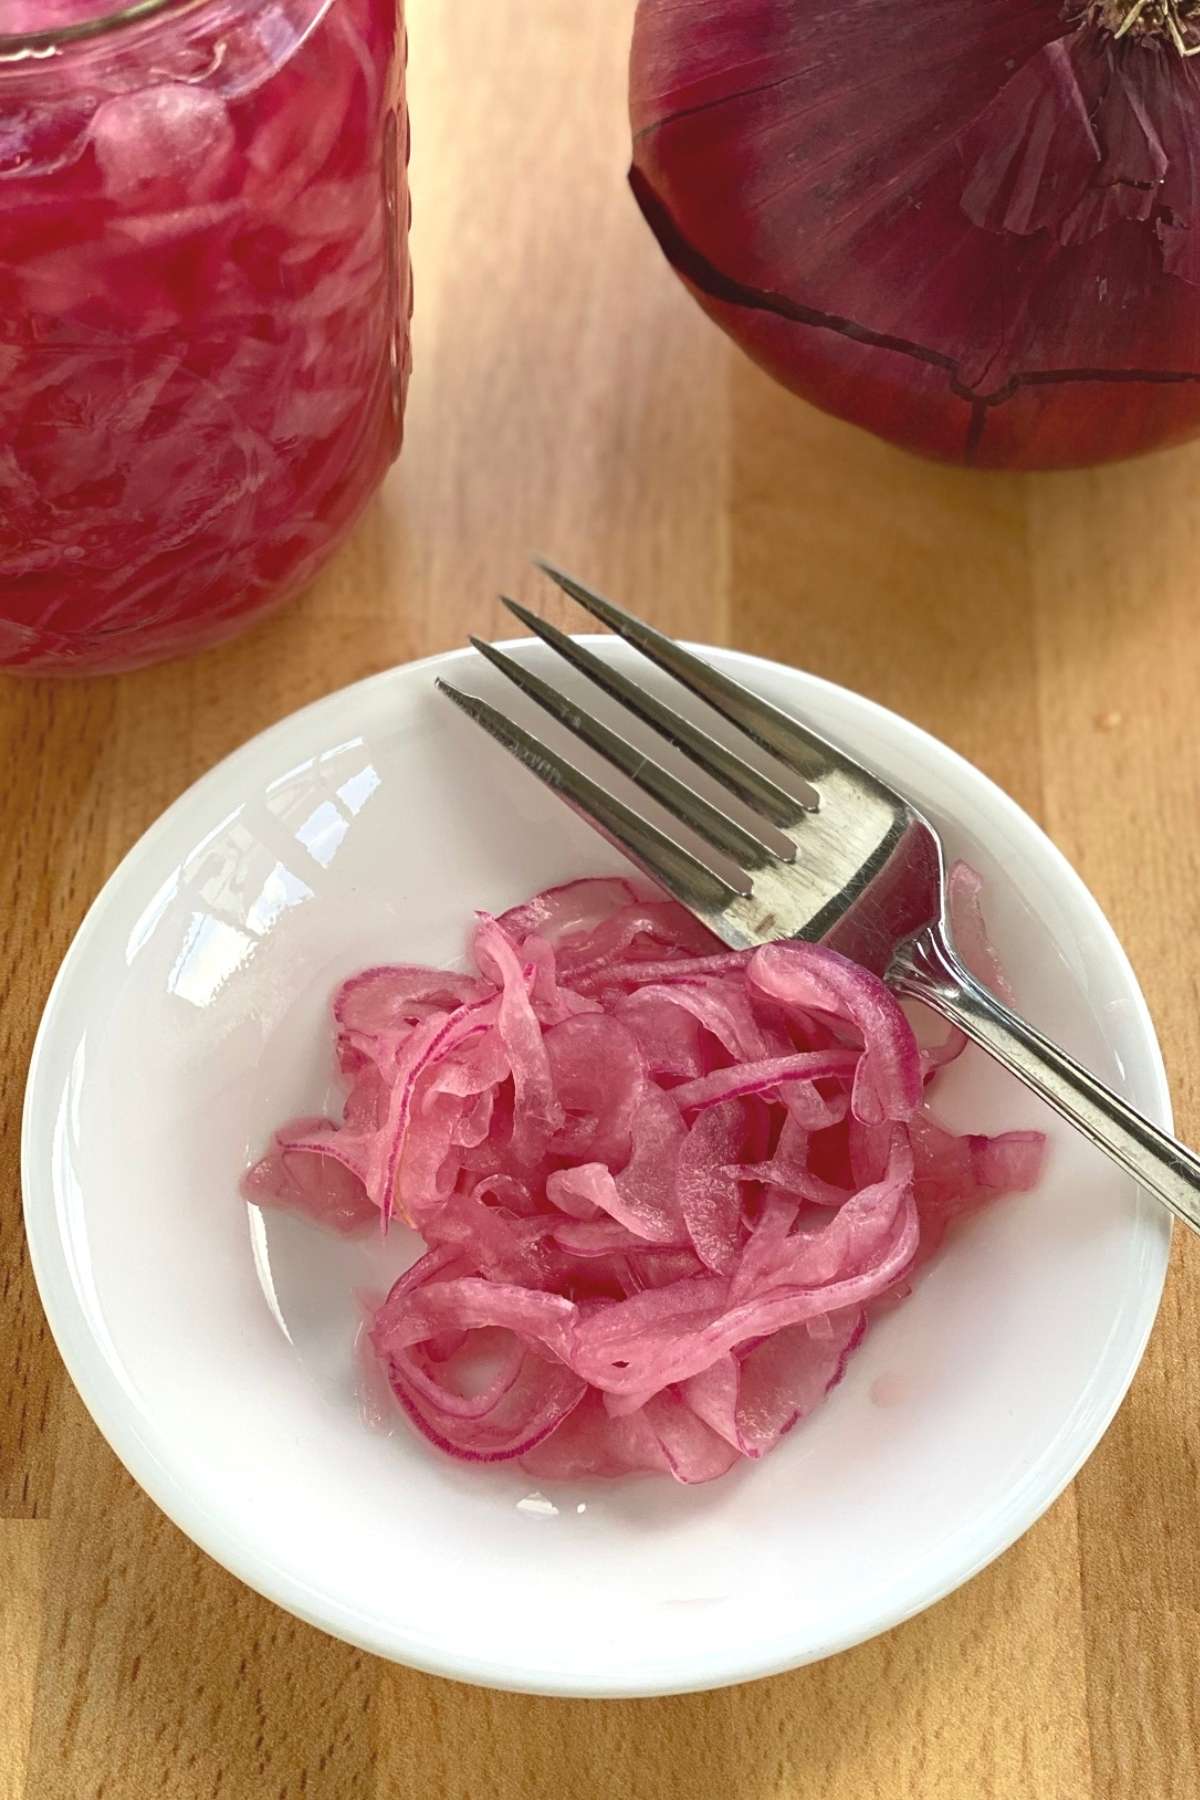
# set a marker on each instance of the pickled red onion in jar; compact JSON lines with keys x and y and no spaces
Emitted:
{"x":204,"y":304}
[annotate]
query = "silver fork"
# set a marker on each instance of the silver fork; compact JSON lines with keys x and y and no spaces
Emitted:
{"x":851,"y":864}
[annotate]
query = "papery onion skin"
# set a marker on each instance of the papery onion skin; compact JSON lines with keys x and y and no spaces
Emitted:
{"x":971,"y":226}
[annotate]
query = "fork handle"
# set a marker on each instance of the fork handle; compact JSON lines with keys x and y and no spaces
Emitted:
{"x":927,"y":968}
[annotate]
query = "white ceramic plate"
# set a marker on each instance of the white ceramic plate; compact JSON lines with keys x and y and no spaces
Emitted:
{"x":214,"y":1349}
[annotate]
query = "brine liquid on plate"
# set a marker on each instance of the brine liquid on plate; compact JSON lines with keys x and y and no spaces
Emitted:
{"x":204,"y":301}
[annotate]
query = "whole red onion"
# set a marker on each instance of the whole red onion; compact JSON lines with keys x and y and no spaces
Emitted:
{"x":972,"y":226}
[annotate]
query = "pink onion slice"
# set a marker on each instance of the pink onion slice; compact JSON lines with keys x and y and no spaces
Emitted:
{"x":708,"y":1187}
{"x":752,"y":1401}
{"x":389,"y":1000}
{"x":597,"y":1073}
{"x":301,"y":1174}
{"x":776,"y":1072}
{"x":665,"y":1186}
{"x":964,"y":893}
{"x":667,"y":1436}
{"x":534,"y":1399}
{"x":806,"y":979}
{"x":721,"y":1008}
{"x":528,"y":1393}
{"x":570,"y":910}
{"x":653,"y":927}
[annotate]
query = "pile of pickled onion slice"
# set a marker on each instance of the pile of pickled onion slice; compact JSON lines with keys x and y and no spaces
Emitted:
{"x":663,"y":1185}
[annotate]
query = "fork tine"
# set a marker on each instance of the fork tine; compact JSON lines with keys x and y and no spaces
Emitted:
{"x":724,"y":833}
{"x":726,"y":767}
{"x":794,"y":744}
{"x":680,"y":871}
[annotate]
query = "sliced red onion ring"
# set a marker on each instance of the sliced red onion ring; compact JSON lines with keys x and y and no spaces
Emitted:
{"x":664,"y":1189}
{"x":806,"y":979}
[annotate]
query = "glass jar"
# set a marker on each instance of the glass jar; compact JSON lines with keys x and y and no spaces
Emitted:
{"x":204,"y":305}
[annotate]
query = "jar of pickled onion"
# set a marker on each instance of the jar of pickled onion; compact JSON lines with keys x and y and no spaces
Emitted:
{"x":204,"y":305}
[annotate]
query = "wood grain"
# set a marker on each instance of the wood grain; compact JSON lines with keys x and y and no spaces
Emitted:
{"x":23,"y":1558}
{"x":569,"y":397}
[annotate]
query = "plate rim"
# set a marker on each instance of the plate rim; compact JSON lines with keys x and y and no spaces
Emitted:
{"x":96,"y":1387}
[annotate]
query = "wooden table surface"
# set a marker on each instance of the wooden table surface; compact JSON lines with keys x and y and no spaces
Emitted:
{"x":568,"y":396}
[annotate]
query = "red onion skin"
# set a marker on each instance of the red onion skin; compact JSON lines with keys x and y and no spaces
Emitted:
{"x":971,"y":226}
